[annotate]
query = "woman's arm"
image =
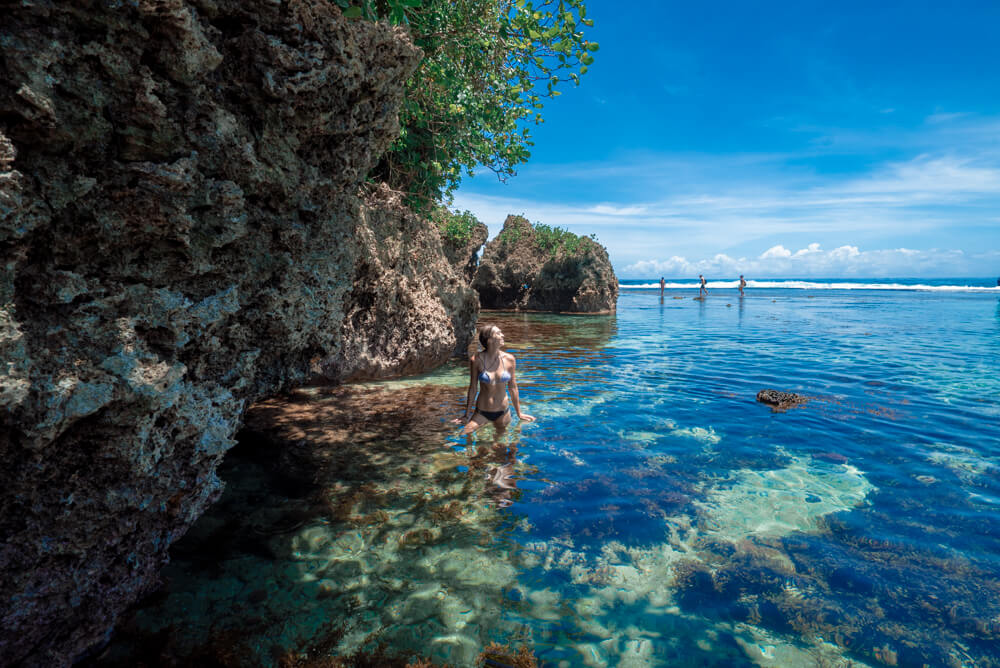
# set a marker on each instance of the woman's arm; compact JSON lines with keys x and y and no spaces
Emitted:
{"x":471,"y":396}
{"x":514,"y":397}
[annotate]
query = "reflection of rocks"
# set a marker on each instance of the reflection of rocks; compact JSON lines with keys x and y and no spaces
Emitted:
{"x":574,"y":336}
{"x":780,"y":400}
{"x":182,"y":235}
{"x":518,"y":271}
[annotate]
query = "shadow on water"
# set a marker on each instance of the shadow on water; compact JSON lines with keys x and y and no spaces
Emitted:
{"x":339,"y":502}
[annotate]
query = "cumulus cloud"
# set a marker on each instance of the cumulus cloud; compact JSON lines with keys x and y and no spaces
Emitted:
{"x":815,"y":262}
{"x":775,"y":251}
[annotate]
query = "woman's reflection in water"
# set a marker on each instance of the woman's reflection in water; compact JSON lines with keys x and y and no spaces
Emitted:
{"x":495,"y":463}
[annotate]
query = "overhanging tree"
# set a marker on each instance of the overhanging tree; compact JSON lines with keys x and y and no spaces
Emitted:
{"x":487,"y":67}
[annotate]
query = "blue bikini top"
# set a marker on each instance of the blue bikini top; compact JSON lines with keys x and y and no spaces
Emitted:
{"x":484,"y":377}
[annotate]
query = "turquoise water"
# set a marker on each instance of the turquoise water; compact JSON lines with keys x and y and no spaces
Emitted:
{"x":655,"y":514}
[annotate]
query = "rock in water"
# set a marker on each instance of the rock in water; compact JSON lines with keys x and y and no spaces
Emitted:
{"x":182,"y":235}
{"x":780,"y":400}
{"x":524,"y":268}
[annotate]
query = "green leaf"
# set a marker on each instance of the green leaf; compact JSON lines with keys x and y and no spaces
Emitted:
{"x":587,"y":59}
{"x":487,"y":65}
{"x":352,"y":13}
{"x":592,"y":46}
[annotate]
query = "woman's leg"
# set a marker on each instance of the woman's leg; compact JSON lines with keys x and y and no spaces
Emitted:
{"x":475,"y":422}
{"x":501,"y":422}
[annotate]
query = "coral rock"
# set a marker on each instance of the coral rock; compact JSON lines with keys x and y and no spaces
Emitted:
{"x":182,"y":235}
{"x":780,"y":400}
{"x":517,"y":271}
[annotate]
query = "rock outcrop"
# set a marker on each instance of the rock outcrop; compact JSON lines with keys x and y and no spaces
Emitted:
{"x":409,"y":308}
{"x":780,"y":401}
{"x":522,"y":269}
{"x":181,"y":235}
{"x":464,"y":253}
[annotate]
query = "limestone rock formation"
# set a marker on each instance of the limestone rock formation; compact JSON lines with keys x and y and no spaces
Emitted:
{"x":409,"y":308}
{"x":522,"y":269}
{"x":181,"y":235}
{"x":464,"y":254}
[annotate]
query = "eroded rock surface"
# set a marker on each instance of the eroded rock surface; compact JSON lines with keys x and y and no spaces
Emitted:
{"x":181,"y":235}
{"x":409,"y":308}
{"x":517,"y":271}
{"x":464,"y":256}
{"x":779,"y":400}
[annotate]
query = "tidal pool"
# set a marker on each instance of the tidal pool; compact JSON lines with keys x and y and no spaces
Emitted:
{"x":655,"y":514}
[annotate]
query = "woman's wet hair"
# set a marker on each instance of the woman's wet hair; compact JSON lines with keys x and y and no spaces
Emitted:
{"x":484,"y":335}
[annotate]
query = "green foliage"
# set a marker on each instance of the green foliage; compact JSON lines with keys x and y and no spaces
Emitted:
{"x":509,"y":236}
{"x":488,"y":66}
{"x":548,"y":239}
{"x":455,"y":226}
{"x":552,"y":240}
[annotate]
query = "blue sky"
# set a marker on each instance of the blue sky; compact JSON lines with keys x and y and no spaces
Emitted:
{"x":774,"y":139}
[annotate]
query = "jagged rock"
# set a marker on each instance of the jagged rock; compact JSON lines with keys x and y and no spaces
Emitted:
{"x":780,"y":400}
{"x":408,"y":310}
{"x":181,"y":235}
{"x":519,"y":271}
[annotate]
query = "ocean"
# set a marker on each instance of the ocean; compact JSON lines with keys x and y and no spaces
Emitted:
{"x":655,"y":514}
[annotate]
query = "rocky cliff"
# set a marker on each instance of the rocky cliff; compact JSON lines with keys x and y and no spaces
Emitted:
{"x":181,"y":235}
{"x":462,"y":248}
{"x":545,"y":269}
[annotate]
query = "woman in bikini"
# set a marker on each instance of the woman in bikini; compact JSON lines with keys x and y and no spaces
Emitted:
{"x":494,"y":370}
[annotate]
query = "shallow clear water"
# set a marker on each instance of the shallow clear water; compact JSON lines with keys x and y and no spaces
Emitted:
{"x":655,"y":514}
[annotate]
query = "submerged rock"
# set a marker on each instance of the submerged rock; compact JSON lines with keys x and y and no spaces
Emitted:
{"x":545,"y":269}
{"x":182,"y":235}
{"x":780,"y":400}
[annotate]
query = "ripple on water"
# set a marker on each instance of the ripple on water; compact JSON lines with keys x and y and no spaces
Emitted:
{"x":655,"y":515}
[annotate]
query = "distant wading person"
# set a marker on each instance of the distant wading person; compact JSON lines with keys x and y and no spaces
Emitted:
{"x":663,"y":285}
{"x":702,"y":289}
{"x":494,"y":370}
{"x":743,"y":284}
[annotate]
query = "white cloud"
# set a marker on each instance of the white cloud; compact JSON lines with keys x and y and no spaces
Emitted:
{"x":775,"y":251}
{"x":930,"y":178}
{"x":694,"y":205}
{"x":608,"y":210}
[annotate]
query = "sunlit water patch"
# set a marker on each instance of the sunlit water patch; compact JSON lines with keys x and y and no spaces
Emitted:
{"x":654,"y":515}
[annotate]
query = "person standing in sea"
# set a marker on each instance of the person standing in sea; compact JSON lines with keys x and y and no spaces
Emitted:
{"x":663,"y":286}
{"x":743,"y":284}
{"x":494,"y":370}
{"x":702,"y":289}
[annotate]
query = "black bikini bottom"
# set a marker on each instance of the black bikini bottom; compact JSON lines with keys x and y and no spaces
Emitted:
{"x":492,"y":416}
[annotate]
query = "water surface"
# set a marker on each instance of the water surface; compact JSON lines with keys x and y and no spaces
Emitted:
{"x":655,"y":514}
